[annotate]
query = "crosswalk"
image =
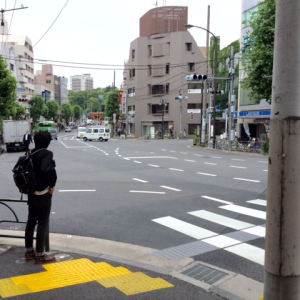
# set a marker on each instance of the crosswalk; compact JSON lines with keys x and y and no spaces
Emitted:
{"x":234,"y":242}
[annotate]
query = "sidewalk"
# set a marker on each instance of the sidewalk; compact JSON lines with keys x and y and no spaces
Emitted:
{"x":90,"y":268}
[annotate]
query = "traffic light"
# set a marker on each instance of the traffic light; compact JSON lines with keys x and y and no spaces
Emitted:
{"x":195,"y":77}
{"x":22,"y":100}
{"x":218,"y":92}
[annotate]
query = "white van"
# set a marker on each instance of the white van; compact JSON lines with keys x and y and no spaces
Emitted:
{"x":97,"y":133}
{"x":81,"y":132}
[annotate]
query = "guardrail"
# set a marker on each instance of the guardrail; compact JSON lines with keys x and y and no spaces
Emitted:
{"x":17,"y":221}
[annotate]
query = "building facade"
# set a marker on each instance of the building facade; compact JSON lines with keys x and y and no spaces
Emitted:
{"x":155,"y":74}
{"x":81,"y":82}
{"x":254,"y":118}
{"x":47,"y":79}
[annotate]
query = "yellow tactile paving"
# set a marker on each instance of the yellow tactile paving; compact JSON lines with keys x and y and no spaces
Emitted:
{"x":79,"y":271}
{"x":135,"y":283}
{"x":9,"y":289}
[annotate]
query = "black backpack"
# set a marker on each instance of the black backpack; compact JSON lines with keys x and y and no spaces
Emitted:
{"x":23,"y":173}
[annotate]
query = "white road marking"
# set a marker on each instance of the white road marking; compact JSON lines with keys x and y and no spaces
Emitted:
{"x":163,"y":150}
{"x":206,"y":174}
{"x":77,"y":190}
{"x":175,"y":169}
{"x":265,"y":170}
{"x":215,"y":157}
{"x":215,"y":199}
{"x":172,"y":151}
{"x":170,"y":188}
{"x":221,"y":241}
{"x":207,"y":163}
{"x":138,"y":162}
{"x":263,"y":162}
{"x":250,"y":252}
{"x":183,"y":152}
{"x":184,"y":227}
{"x":198,"y":155}
{"x":258,"y":202}
{"x":237,"y":167}
{"x":245,"y":211}
{"x":155,"y":166}
{"x":147,"y":192}
{"x":140,"y":180}
{"x":256,"y":230}
{"x":189,"y":160}
{"x":141,"y":157}
{"x":244,"y":179}
{"x":237,"y":159}
{"x":126,"y":158}
{"x":219,"y":219}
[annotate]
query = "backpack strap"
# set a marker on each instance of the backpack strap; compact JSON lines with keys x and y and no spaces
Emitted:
{"x":37,"y":151}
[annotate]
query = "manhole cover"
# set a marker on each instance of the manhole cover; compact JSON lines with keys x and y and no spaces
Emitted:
{"x":204,"y":274}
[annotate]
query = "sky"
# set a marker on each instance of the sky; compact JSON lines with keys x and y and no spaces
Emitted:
{"x":100,"y":32}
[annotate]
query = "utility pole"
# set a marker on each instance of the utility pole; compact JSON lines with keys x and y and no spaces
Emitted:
{"x":231,"y":98}
{"x":180,"y":98}
{"x":282,"y":259}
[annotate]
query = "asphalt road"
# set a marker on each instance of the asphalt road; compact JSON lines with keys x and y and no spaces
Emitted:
{"x":159,"y":194}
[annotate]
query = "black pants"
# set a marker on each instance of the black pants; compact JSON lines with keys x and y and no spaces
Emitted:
{"x":39,"y":208}
{"x":27,"y":146}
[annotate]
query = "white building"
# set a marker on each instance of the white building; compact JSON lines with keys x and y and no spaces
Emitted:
{"x":81,"y":82}
{"x":63,"y":90}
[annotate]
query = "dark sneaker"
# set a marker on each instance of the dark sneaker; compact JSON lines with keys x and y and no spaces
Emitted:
{"x":39,"y":260}
{"x":30,"y":255}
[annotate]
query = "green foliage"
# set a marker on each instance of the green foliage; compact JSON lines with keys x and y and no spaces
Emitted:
{"x":67,"y":112}
{"x":52,"y":110}
{"x":36,"y":107}
{"x":259,"y":54}
{"x":112,"y":105}
{"x":77,"y":110}
{"x":265,"y":146}
{"x":19,"y":110}
{"x":8,"y":85}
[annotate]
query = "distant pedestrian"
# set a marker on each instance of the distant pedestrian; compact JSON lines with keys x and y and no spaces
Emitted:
{"x":27,"y":139}
{"x":39,"y":202}
{"x":171,"y":132}
{"x":184,"y":133}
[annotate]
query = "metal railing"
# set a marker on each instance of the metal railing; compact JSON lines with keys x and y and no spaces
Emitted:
{"x":17,"y":221}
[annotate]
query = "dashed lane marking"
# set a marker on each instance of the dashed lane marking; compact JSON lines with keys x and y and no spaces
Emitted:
{"x":140,"y":180}
{"x":155,"y":166}
{"x":206,"y":174}
{"x":189,"y":160}
{"x":170,"y":188}
{"x":77,"y":190}
{"x":237,"y":167}
{"x":213,"y":164}
{"x":147,"y":192}
{"x":244,"y":179}
{"x":176,"y":169}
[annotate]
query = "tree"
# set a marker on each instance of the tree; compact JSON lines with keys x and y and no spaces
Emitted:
{"x":112,"y":105}
{"x":52,"y":110}
{"x":8,"y":85}
{"x":77,"y":110}
{"x":259,"y":52}
{"x":67,"y":112}
{"x":36,"y":108}
{"x":19,"y":110}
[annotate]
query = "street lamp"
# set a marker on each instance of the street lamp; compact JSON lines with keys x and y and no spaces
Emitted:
{"x":188,"y":26}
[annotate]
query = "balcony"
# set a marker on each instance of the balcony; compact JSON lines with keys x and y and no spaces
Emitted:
{"x":22,"y":79}
{"x":22,"y":66}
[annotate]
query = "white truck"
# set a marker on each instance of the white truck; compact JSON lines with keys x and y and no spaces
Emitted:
{"x":13,"y":132}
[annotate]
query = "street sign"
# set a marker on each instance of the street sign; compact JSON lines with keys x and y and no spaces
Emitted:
{"x":218,"y":107}
{"x":194,"y":111}
{"x":21,"y":90}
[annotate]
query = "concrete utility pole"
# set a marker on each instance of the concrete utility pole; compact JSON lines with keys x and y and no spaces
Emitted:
{"x":282,"y":259}
{"x":231,"y":99}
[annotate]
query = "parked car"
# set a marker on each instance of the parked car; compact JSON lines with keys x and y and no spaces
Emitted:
{"x":53,"y":133}
{"x":68,"y":129}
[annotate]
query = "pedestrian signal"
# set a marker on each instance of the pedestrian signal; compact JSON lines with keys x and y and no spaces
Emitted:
{"x":192,"y":117}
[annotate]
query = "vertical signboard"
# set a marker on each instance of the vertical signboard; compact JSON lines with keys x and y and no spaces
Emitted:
{"x":120,"y":97}
{"x":124,"y":104}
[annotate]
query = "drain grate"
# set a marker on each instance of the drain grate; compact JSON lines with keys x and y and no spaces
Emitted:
{"x":204,"y":274}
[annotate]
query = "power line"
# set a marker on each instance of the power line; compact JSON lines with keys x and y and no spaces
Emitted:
{"x":52,"y":23}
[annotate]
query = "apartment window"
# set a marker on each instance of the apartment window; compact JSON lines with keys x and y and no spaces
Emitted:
{"x":193,"y":106}
{"x":149,"y":50}
{"x":133,"y":54}
{"x":167,"y":68}
{"x":158,"y":108}
{"x":188,"y":46}
{"x":167,"y":88}
{"x":48,"y":81}
{"x":191,"y":67}
{"x":149,"y":89}
{"x":131,"y":92}
{"x":158,"y":89}
{"x":133,"y":72}
{"x":11,"y":67}
{"x":149,"y":70}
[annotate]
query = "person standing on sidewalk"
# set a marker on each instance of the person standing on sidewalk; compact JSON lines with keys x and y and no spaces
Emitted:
{"x":39,"y":202}
{"x":184,"y":133}
{"x":27,"y":139}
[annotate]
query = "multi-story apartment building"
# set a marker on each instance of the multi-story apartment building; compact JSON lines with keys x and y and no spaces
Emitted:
{"x":47,"y":79}
{"x":81,"y":82}
{"x":155,"y":73}
{"x":253,"y":117}
{"x":23,"y":45}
